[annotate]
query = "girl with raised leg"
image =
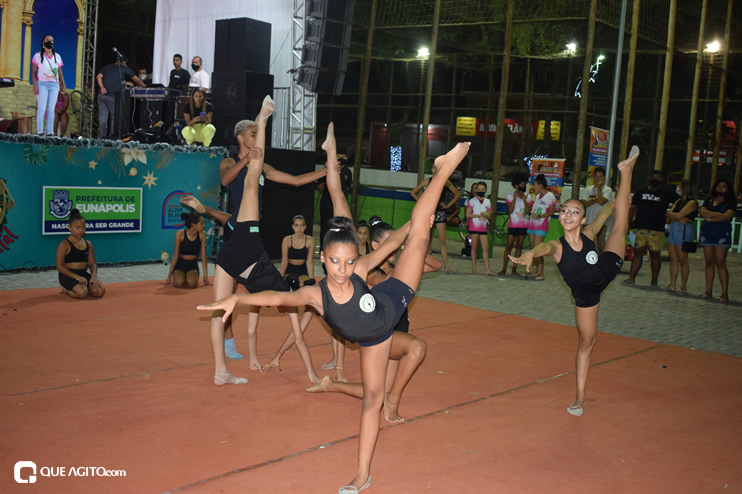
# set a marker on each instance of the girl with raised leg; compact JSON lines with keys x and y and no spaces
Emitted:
{"x":349,"y":307}
{"x":584,"y":271}
{"x":244,"y":259}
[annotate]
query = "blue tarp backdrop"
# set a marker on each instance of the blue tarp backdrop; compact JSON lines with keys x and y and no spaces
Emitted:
{"x":163,"y":174}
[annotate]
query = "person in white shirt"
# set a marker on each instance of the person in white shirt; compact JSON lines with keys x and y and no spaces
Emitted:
{"x":594,"y":198}
{"x":48,"y":82}
{"x":200,"y":77}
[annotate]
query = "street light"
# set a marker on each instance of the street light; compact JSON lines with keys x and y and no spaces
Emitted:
{"x":713,"y":47}
{"x":423,"y":53}
{"x":571,"y":47}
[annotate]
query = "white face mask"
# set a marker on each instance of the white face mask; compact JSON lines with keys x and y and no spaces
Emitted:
{"x":677,"y":190}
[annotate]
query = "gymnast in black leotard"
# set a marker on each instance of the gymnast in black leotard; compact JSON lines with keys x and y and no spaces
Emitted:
{"x":352,"y":310}
{"x":585,"y":272}
{"x":75,"y":256}
{"x":189,"y":245}
{"x":297,"y":252}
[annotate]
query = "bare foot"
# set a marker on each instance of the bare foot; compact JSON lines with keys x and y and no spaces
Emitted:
{"x":489,"y":273}
{"x":474,"y":271}
{"x":255,"y":365}
{"x":193,"y":203}
{"x":275,"y":362}
{"x":501,"y":273}
{"x":391,"y":411}
{"x":329,"y":365}
{"x":447,"y":163}
{"x":339,"y":376}
{"x":449,"y":270}
{"x":322,"y":387}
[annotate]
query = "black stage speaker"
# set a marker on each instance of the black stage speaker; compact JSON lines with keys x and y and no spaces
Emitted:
{"x":238,"y":96}
{"x":327,"y":36}
{"x":282,"y":202}
{"x":242,"y":44}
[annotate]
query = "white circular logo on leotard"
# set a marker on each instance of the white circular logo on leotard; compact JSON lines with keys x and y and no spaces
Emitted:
{"x":367,"y":303}
{"x":591,"y":257}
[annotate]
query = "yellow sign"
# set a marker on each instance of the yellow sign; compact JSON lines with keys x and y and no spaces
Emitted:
{"x":466,"y":126}
{"x":555,"y":128}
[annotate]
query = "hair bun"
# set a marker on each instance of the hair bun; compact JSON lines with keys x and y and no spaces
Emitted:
{"x":340,"y":223}
{"x":75,"y":211}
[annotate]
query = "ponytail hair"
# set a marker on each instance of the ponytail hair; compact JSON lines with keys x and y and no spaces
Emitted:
{"x":75,"y":215}
{"x":191,"y":218}
{"x":540,"y":179}
{"x":378,"y":230}
{"x":340,"y":229}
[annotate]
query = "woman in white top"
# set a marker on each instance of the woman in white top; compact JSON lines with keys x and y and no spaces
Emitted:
{"x":48,"y":82}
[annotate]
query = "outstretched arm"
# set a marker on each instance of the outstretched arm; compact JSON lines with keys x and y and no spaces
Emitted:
{"x":543,"y":249}
{"x":392,"y":243}
{"x":605,"y":212}
{"x":301,"y":297}
{"x":296,"y":180}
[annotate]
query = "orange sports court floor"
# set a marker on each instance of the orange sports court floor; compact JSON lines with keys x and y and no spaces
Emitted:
{"x":125,"y":383}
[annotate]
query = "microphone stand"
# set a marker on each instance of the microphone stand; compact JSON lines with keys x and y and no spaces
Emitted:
{"x":121,"y":93}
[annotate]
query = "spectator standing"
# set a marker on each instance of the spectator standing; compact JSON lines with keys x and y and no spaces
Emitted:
{"x":200,"y":77}
{"x":111,"y":79}
{"x":595,"y":197}
{"x":48,"y":82}
{"x":716,"y":236}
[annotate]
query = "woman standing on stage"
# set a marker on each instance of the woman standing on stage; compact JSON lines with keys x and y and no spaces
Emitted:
{"x":584,"y":271}
{"x":48,"y":82}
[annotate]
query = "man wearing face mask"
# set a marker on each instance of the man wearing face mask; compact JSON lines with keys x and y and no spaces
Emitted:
{"x":200,"y":77}
{"x":649,"y":207}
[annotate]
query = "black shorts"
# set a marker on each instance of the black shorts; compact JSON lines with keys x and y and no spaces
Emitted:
{"x":242,"y":250}
{"x":264,"y":276}
{"x":297,"y":270}
{"x":441,"y":216}
{"x":404,"y":323}
{"x":187,"y":265}
{"x":517,"y":232}
{"x":589,"y":295}
{"x":394,"y":296}
{"x":70,"y":283}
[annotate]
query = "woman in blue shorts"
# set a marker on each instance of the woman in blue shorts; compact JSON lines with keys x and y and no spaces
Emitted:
{"x":584,"y":271}
{"x":682,"y":215}
{"x":716,"y":236}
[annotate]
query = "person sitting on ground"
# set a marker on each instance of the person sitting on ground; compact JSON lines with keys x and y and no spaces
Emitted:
{"x":362,"y":231}
{"x":189,"y":243}
{"x":297,"y":253}
{"x":75,"y":255}
{"x":198,"y":114}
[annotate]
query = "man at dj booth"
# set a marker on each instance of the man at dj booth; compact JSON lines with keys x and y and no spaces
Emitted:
{"x":110,"y":79}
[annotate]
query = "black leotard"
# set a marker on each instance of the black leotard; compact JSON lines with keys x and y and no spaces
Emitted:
{"x":370,"y":316}
{"x":404,"y":321}
{"x":298,"y":254}
{"x":190,"y":247}
{"x":75,"y":254}
{"x":586,"y":272}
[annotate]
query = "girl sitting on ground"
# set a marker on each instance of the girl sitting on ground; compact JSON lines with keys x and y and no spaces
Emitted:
{"x":75,"y":255}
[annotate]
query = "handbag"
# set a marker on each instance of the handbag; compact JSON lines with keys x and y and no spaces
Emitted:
{"x":689,"y":247}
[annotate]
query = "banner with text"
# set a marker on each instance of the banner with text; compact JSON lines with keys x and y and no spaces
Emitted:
{"x":553,"y":171}
{"x":105,"y":209}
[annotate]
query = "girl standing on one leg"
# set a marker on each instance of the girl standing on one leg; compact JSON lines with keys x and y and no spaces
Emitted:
{"x":584,"y":271}
{"x":519,"y":209}
{"x":543,"y":204}
{"x":479,"y":212}
{"x":407,"y":351}
{"x":74,"y":256}
{"x":243,"y":258}
{"x":349,"y":307}
{"x":189,"y":243}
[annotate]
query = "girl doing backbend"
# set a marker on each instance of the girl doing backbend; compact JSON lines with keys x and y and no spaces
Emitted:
{"x":584,"y":271}
{"x":353,"y":311}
